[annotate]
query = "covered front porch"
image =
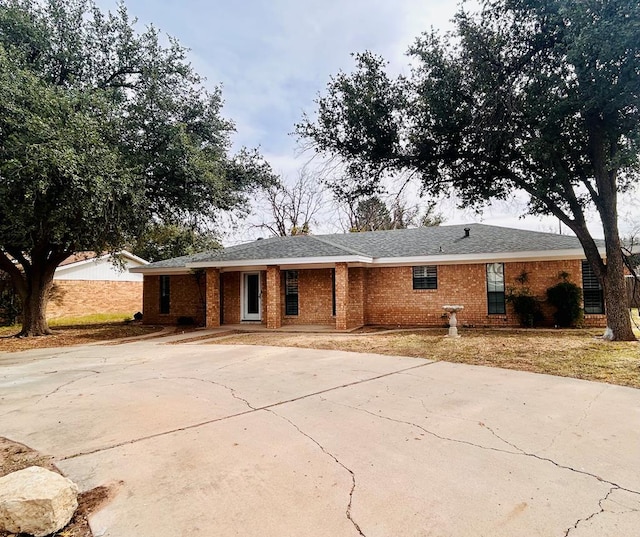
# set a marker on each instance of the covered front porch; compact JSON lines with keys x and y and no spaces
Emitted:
{"x":273,"y":297}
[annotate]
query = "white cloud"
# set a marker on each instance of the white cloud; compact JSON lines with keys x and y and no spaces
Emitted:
{"x":272,"y":57}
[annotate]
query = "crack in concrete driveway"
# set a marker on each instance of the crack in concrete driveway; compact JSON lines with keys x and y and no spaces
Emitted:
{"x":338,"y":462}
{"x":235,"y":415}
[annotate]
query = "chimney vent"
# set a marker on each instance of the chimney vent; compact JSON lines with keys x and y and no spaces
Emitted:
{"x":466,"y":231}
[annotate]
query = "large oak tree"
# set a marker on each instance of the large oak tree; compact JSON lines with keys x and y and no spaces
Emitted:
{"x":541,"y":96}
{"x":103,"y":132}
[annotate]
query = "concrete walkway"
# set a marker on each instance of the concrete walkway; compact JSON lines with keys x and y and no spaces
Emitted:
{"x":258,"y":441}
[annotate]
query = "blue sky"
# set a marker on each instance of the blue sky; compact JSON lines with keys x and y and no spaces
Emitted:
{"x":273,"y":57}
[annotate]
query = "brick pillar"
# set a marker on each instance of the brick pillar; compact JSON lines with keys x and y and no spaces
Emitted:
{"x":213,"y":298}
{"x":342,"y":296}
{"x":274,"y":306}
{"x":356,"y":297}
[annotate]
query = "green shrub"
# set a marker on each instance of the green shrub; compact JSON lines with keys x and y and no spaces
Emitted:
{"x":526,"y":306}
{"x":566,"y":297}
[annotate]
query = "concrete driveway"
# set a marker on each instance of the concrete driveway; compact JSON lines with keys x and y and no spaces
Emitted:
{"x":259,"y":441}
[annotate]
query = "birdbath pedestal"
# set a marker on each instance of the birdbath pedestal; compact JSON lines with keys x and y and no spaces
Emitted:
{"x":453,"y":321}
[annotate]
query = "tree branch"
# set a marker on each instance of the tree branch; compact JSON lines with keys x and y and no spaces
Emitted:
{"x":16,"y":275}
{"x":120,"y":72}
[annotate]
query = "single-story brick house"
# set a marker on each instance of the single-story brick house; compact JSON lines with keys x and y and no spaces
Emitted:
{"x":86,"y":283}
{"x":391,"y":278}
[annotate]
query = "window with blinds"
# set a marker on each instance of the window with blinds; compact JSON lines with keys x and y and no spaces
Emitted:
{"x":291,"y":292}
{"x":165,"y":294}
{"x":591,"y":290}
{"x":425,"y":277}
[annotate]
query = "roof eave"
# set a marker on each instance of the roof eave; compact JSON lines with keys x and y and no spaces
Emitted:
{"x":282,"y":262}
{"x":133,"y":257}
{"x":541,"y":255}
{"x":318,"y":262}
{"x":159,"y":270}
{"x":102,"y":257}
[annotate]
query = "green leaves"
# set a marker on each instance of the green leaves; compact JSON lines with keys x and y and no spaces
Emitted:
{"x":358,"y":118}
{"x":530,"y":94}
{"x":536,"y":95}
{"x":164,"y":241}
{"x":104,"y":129}
{"x":59,"y":179}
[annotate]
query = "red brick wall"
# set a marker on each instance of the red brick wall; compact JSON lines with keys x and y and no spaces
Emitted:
{"x":273,"y":297}
{"x":71,"y":298}
{"x":391,"y":300}
{"x":212,"y":298}
{"x":187,"y":299}
{"x":342,"y":296}
{"x":544,"y":274}
{"x":541,"y":275}
{"x":230,"y":282}
{"x":314,"y":288}
{"x":355,"y":311}
{"x":314,"y":298}
{"x":377,"y":296}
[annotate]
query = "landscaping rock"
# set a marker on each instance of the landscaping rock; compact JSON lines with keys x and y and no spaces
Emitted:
{"x":36,"y":501}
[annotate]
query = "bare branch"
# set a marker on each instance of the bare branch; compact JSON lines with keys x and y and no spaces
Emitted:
{"x":292,"y":209}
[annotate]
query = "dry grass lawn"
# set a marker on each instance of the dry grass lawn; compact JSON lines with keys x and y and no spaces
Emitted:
{"x":569,"y":353}
{"x":75,"y":333}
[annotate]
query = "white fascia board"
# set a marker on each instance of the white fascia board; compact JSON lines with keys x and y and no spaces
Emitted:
{"x":444,"y":259}
{"x":286,"y":261}
{"x":303,"y":266}
{"x":159,"y":270}
{"x":320,"y":262}
{"x":122,"y":253}
{"x":133,"y":257}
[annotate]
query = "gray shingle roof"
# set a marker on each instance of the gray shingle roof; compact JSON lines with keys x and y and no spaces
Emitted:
{"x":418,"y":242}
{"x":482,"y":239}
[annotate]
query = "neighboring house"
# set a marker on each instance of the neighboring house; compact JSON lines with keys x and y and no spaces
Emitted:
{"x":391,"y":278}
{"x":85,"y":284}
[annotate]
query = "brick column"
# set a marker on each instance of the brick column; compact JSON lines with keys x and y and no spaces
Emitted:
{"x":274,"y":306}
{"x":342,"y":296}
{"x":356,"y":297}
{"x":213,"y":298}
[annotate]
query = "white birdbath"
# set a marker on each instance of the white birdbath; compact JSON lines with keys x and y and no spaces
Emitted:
{"x":453,"y":321}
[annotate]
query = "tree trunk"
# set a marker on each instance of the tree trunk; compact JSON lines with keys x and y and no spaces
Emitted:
{"x":615,"y":297}
{"x":602,"y":154}
{"x":32,"y":279}
{"x":34,"y":308}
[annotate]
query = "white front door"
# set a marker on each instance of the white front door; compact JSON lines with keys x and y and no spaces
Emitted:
{"x":251,"y":296}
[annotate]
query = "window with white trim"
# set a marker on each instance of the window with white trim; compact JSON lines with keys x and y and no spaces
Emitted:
{"x":425,"y":277}
{"x":495,"y":289}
